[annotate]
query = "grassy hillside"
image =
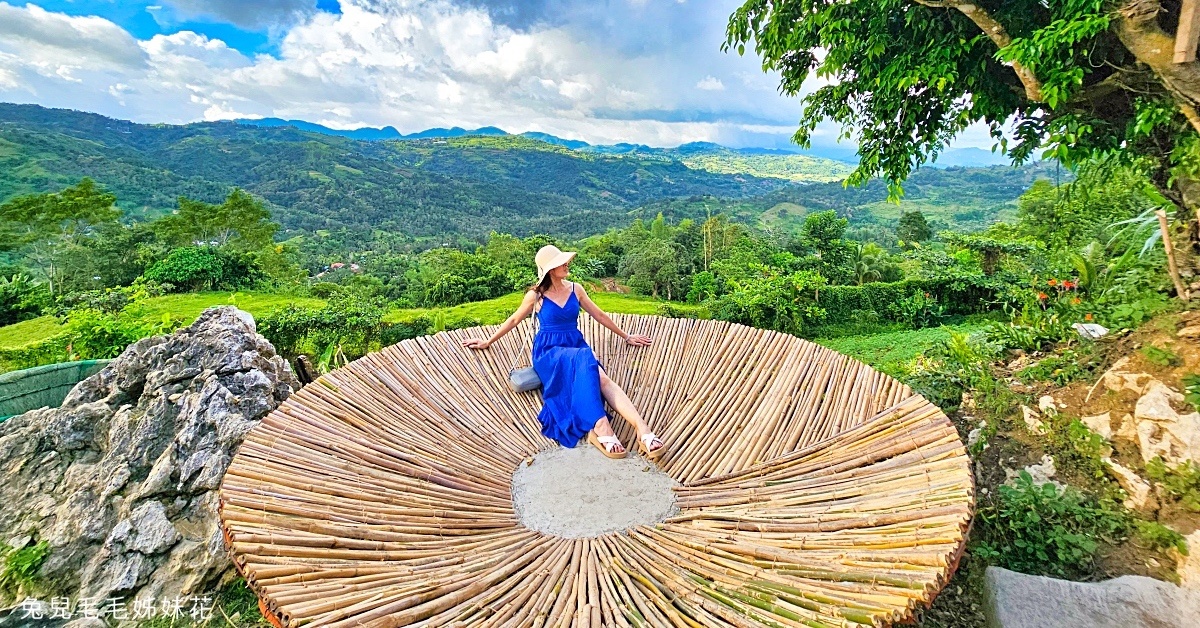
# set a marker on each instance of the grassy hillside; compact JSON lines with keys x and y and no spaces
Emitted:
{"x":964,"y":199}
{"x":469,"y":185}
{"x":790,"y":167}
{"x":188,"y":306}
{"x":182,"y":306}
{"x":891,"y":352}
{"x":494,"y":311}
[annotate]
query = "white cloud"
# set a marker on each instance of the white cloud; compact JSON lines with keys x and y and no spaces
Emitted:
{"x":618,"y":72}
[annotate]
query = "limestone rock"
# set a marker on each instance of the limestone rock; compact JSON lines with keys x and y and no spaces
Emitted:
{"x":121,"y":479}
{"x":1047,"y":405}
{"x":1117,"y":379}
{"x":1191,"y":331}
{"x":1138,"y":489}
{"x":1041,"y":473}
{"x":1032,"y":421}
{"x":1014,"y":600}
{"x":1100,"y":424}
{"x":1188,"y":567}
{"x":1127,"y":430}
{"x":1162,"y":430}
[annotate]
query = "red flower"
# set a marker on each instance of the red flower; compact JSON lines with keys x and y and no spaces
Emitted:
{"x":1068,"y":284}
{"x":1052,"y":282}
{"x":1043,"y":296}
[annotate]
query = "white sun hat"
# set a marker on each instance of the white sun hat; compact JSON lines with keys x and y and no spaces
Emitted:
{"x":549,"y":257}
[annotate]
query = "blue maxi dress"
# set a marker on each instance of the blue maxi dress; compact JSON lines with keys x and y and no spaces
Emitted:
{"x":569,"y":372}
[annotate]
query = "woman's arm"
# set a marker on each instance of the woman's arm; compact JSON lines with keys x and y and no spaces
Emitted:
{"x":637,"y":340}
{"x":523,"y":310}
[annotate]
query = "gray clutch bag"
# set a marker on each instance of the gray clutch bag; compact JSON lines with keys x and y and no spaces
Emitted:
{"x":524,"y":379}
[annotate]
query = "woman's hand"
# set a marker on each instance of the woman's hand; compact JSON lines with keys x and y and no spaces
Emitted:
{"x":638,"y":340}
{"x":475,"y":343}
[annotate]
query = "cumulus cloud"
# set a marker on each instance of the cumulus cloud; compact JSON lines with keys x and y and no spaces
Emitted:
{"x":648,"y":72}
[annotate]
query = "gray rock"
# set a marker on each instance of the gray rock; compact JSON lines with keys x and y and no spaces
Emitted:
{"x":1015,"y":600}
{"x":121,"y":479}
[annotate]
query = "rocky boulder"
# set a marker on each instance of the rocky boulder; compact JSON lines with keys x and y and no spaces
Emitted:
{"x":1015,"y":600}
{"x":1164,"y":431}
{"x":121,"y":480}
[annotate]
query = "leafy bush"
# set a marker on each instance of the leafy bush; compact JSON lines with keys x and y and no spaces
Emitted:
{"x":1160,"y":537}
{"x":1062,"y":369}
{"x":20,"y":566}
{"x":918,"y":310}
{"x":960,"y":363}
{"x":780,"y":302}
{"x":1038,"y":529}
{"x":21,"y":298}
{"x":1181,"y":483}
{"x":94,"y":335}
{"x":1191,"y":389}
{"x":961,"y":295}
{"x":350,"y":324}
{"x":1041,"y":319}
{"x":193,"y":268}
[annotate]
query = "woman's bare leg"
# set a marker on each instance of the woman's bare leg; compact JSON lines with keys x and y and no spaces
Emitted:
{"x":621,"y":402}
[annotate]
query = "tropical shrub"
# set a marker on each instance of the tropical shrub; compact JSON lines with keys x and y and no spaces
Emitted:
{"x":780,"y":302}
{"x":347,"y":323}
{"x":196,"y":268}
{"x":21,"y":298}
{"x":1044,"y":529}
{"x":93,"y":334}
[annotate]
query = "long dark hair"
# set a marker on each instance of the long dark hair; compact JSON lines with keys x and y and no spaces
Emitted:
{"x":542,"y":286}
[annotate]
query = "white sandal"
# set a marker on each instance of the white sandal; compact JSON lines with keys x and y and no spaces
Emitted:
{"x":646,"y":441}
{"x":607,"y":445}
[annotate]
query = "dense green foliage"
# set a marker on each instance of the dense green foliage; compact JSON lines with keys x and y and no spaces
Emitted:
{"x":1042,"y":529}
{"x":420,"y":188}
{"x":904,"y":77}
{"x":195,"y":268}
{"x":1181,"y":483}
{"x":19,"y":566}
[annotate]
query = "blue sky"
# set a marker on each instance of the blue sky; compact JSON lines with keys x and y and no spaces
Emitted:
{"x":604,"y":71}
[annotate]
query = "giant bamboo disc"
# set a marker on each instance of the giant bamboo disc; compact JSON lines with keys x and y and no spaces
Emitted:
{"x":815,"y":491}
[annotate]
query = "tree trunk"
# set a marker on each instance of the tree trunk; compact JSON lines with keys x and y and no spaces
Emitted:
{"x":1137,"y":28}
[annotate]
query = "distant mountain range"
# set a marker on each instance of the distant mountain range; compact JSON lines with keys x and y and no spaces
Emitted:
{"x":451,"y":182}
{"x":955,"y":157}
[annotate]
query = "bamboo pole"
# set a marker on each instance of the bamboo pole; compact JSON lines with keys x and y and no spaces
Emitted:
{"x":814,"y":491}
{"x":1169,"y":248}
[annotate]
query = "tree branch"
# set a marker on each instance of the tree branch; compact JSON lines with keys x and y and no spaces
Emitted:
{"x":996,"y":32}
{"x":1137,"y":28}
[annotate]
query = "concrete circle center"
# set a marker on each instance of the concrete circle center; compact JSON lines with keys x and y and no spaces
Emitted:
{"x":578,"y":493}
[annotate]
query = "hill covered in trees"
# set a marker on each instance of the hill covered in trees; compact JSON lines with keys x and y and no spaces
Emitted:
{"x":462,"y":187}
{"x":469,"y":185}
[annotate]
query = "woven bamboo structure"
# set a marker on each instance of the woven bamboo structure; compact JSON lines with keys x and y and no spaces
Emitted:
{"x":815,"y":491}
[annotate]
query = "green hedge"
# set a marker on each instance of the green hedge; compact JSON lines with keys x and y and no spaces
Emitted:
{"x":957,"y":296}
{"x":46,"y":351}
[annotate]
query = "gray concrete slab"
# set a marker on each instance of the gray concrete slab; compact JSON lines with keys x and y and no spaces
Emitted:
{"x":579,"y":493}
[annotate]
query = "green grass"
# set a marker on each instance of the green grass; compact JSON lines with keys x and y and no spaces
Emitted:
{"x":189,"y":306}
{"x":890,"y":352}
{"x":182,"y":306}
{"x":28,"y":332}
{"x":494,"y":311}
